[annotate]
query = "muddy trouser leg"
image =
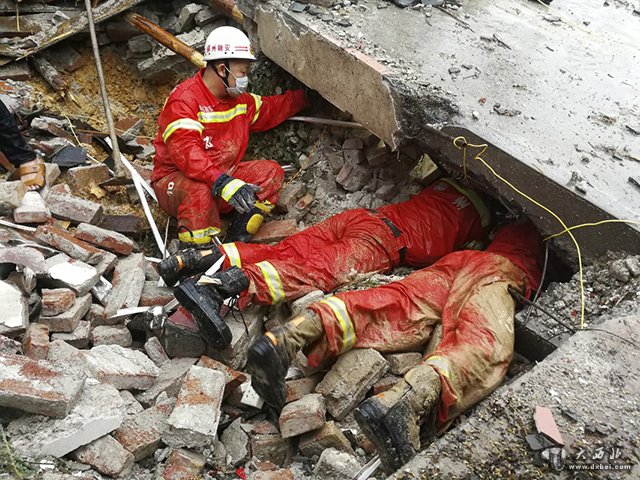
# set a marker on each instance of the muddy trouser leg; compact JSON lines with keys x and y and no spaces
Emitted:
{"x":352,"y":243}
{"x":192,"y":204}
{"x":12,"y":144}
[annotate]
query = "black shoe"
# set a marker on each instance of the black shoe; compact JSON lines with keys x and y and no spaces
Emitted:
{"x":243,"y":226}
{"x":370,"y":416}
{"x":186,"y":263}
{"x":204,"y":302}
{"x":267,"y":364}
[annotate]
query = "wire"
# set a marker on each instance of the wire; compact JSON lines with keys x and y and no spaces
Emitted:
{"x":542,"y":277}
{"x":483,"y":148}
{"x":72,"y":130}
{"x":594,"y":224}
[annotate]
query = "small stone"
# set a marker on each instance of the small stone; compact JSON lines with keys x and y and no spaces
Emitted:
{"x":302,"y":416}
{"x":141,"y":44}
{"x":353,"y":177}
{"x":454,"y":70}
{"x":619,"y":271}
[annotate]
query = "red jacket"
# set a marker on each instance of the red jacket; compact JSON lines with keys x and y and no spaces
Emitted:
{"x":203,"y":136}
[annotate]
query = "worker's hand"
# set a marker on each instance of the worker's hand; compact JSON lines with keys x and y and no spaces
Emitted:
{"x":240,"y":195}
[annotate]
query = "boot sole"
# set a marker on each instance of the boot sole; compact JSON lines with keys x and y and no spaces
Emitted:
{"x":268,"y":372}
{"x":370,"y":417}
{"x":212,"y":327}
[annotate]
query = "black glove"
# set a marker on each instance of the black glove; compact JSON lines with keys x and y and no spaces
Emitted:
{"x":240,"y":195}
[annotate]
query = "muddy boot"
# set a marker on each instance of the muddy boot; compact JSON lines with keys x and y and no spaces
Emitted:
{"x":391,"y":419}
{"x":186,"y":263}
{"x":204,"y":302}
{"x":270,"y":356}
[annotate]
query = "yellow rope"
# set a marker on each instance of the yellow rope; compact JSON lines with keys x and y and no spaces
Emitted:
{"x":595,"y":224}
{"x":484,"y":147}
{"x":72,"y":129}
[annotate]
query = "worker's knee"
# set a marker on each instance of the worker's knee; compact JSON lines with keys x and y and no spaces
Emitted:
{"x":273,"y":171}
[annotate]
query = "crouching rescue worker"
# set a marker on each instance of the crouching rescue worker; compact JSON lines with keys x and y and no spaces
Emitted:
{"x":440,"y":219}
{"x":203,"y":136}
{"x":464,"y":295}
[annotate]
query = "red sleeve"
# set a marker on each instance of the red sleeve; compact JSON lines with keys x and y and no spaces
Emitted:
{"x":271,"y":111}
{"x":181,"y":133}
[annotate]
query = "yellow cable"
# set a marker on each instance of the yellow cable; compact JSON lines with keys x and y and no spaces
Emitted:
{"x":72,"y":130}
{"x":595,"y":224}
{"x":484,"y":147}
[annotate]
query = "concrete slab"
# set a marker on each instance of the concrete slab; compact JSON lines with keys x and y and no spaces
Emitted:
{"x":123,"y":368}
{"x":574,"y":85}
{"x":591,"y":385}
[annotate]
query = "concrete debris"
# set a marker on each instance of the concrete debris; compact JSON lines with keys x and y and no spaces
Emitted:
{"x":56,"y":301}
{"x":267,"y":444}
{"x":106,"y":456}
{"x":25,"y":257}
{"x":80,"y":337}
{"x":128,"y":282}
{"x":9,"y":346}
{"x":11,"y":195}
{"x":329,"y":436}
{"x":236,"y":442}
{"x":74,"y":274}
{"x":335,"y":465}
{"x":123,"y":368}
{"x":183,"y":464}
{"x":111,"y":335}
{"x":168,"y":381}
{"x":32,"y":209}
{"x":69,"y":320}
{"x":194,"y":420}
{"x":303,"y":416}
{"x":401,"y":363}
{"x":15,"y":318}
{"x":153,"y":295}
{"x":112,"y":241}
{"x":233,"y":378}
{"x":155,"y":351}
{"x":35,"y":343}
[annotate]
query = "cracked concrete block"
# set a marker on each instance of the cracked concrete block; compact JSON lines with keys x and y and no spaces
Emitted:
{"x":153,"y":295}
{"x":155,"y":351}
{"x":164,"y":60}
{"x":111,"y":335}
{"x":183,"y":465}
{"x":401,"y":363}
{"x":132,"y":406}
{"x":75,"y":209}
{"x":128,"y":282}
{"x":236,"y":442}
{"x":187,"y":17}
{"x":335,"y":465}
{"x":169,"y":380}
{"x":329,"y":436}
{"x":56,"y":301}
{"x":107,"y":239}
{"x":15,"y":317}
{"x":68,"y":321}
{"x":9,"y":346}
{"x":11,"y":195}
{"x":79,"y":337}
{"x":233,"y":378}
{"x":194,"y":421}
{"x":302,"y":416}
{"x":99,"y":411}
{"x":141,"y":434}
{"x":80,"y":178}
{"x":65,"y":242}
{"x":353,"y":177}
{"x":38,"y":386}
{"x":123,"y":368}
{"x":348,"y":381}
{"x":35,"y":343}
{"x":106,"y":456}
{"x":32,"y":209}
{"x":73,"y":274}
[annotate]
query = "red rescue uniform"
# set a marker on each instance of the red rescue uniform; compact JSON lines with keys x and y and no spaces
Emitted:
{"x":200,"y":137}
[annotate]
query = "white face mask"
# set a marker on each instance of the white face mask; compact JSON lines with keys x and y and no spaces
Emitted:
{"x":242,"y":83}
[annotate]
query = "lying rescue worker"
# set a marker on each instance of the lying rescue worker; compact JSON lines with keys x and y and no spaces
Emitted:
{"x":203,"y":136}
{"x":29,"y":166}
{"x":465,"y":294}
{"x":440,"y":219}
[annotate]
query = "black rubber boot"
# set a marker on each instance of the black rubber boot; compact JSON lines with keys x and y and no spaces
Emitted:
{"x":270,"y":356}
{"x":243,"y":226}
{"x":391,"y":420}
{"x":186,"y":263}
{"x":204,"y":302}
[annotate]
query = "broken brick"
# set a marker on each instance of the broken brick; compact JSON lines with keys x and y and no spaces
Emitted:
{"x":80,"y":178}
{"x":32,"y":209}
{"x":329,"y":436}
{"x":64,"y":57}
{"x":62,"y":240}
{"x":401,"y":363}
{"x":38,"y":386}
{"x":280,"y":474}
{"x":155,"y":351}
{"x":123,"y":368}
{"x":353,"y":177}
{"x":75,"y":209}
{"x":68,"y":320}
{"x":194,"y":420}
{"x":153,"y":295}
{"x":111,"y":335}
{"x":80,"y":336}
{"x":142,"y":433}
{"x":183,"y":465}
{"x":73,"y":274}
{"x":290,"y":194}
{"x":107,"y":239}
{"x":169,"y":380}
{"x":233,"y":378}
{"x":129,"y":128}
{"x":385,"y":383}
{"x":267,"y":444}
{"x":296,"y":389}
{"x":56,"y":301}
{"x":303,"y":416}
{"x":275,"y":231}
{"x":546,"y":425}
{"x":125,"y":224}
{"x":236,"y":442}
{"x":18,"y":71}
{"x":11,"y":195}
{"x":128,"y":282}
{"x":25,"y":257}
{"x":36,"y":341}
{"x":106,"y":456}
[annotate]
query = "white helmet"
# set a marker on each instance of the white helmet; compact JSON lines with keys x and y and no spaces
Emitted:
{"x":227,"y":43}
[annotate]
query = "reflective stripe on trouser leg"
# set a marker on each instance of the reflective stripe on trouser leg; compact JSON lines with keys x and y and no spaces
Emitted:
{"x":339,"y":309}
{"x":200,"y":236}
{"x":232,"y":254}
{"x":441,"y":365}
{"x":273,"y":282}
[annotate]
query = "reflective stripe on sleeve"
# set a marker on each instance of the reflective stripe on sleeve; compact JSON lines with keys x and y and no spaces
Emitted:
{"x":339,"y":309}
{"x":258,"y":100}
{"x":223,"y":117}
{"x":232,"y":254}
{"x":185,"y":123}
{"x":273,"y":281}
{"x":231,"y":188}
